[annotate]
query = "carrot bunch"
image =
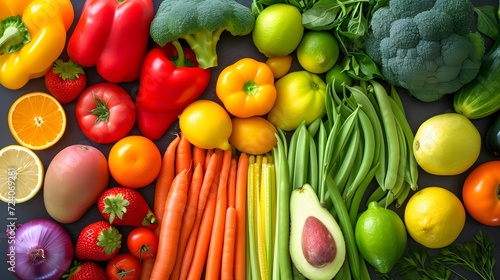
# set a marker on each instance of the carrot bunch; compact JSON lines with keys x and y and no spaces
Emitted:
{"x":200,"y":201}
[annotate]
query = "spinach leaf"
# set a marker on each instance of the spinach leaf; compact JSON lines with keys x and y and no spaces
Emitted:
{"x":487,"y":21}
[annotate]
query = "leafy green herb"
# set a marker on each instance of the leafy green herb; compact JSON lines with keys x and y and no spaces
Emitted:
{"x":487,"y":21}
{"x":475,"y":256}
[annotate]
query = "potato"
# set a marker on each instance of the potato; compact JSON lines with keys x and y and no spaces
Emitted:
{"x":74,"y":180}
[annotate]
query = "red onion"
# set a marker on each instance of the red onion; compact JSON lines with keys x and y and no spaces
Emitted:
{"x":39,"y":249}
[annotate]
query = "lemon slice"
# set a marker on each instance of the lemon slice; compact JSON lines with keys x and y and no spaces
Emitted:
{"x":37,"y":120}
{"x":21,"y":174}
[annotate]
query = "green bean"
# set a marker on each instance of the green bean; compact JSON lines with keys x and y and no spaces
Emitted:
{"x":346,"y":227}
{"x":300,"y":169}
{"x":313,"y":172}
{"x":368,"y":153}
{"x":376,"y":195}
{"x":343,"y":135}
{"x":314,"y":126}
{"x":403,"y":195}
{"x":290,"y":153}
{"x":347,"y":161}
{"x":321,"y":143}
{"x":329,"y":144}
{"x":348,"y":190}
{"x":403,"y":159}
{"x":359,"y":194}
{"x":283,"y":208}
{"x":389,"y":124}
{"x":370,"y":110}
{"x":409,"y":136}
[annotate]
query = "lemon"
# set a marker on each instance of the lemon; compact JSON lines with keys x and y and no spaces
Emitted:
{"x":318,"y":51}
{"x":434,"y":217}
{"x":278,"y":30}
{"x":206,"y":124}
{"x":21,"y":174}
{"x":446,"y":144}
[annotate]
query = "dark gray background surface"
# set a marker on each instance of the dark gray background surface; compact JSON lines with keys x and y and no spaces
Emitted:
{"x":230,"y":49}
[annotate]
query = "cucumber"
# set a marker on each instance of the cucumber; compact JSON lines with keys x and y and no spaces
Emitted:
{"x":481,"y":97}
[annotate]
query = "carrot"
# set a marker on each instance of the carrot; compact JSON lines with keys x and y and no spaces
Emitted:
{"x":209,"y":178}
{"x":231,"y":187}
{"x":226,"y":271}
{"x":213,"y":263}
{"x":199,"y":155}
{"x":240,"y":206}
{"x":188,"y":218}
{"x":203,"y":238}
{"x":184,"y":157}
{"x":164,"y":180}
{"x":169,"y":233}
{"x":146,"y":268}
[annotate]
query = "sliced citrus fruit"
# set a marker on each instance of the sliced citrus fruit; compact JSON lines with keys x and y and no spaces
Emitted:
{"x":21,"y":174}
{"x":37,"y":120}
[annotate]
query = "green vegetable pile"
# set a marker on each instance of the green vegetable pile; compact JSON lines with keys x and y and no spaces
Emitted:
{"x":426,"y":47}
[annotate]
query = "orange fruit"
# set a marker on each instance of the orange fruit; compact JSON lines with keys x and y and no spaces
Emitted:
{"x":134,"y":161}
{"x":37,"y":120}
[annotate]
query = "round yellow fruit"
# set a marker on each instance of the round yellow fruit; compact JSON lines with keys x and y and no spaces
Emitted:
{"x":22,"y":176}
{"x":206,"y":124}
{"x":446,"y":144}
{"x":278,"y":30}
{"x":318,"y":51}
{"x":434,"y":217}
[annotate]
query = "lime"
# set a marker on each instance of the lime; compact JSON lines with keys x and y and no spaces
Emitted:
{"x":446,"y":144}
{"x":318,"y":51}
{"x":278,"y":30}
{"x":380,"y":236}
{"x":22,"y":174}
{"x":206,"y":124}
{"x":434,"y":217}
{"x":337,"y":76}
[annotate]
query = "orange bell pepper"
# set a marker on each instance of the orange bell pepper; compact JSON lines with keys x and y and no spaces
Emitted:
{"x":32,"y":37}
{"x":246,"y":88}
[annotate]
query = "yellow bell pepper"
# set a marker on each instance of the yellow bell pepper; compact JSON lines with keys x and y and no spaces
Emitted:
{"x":32,"y":37}
{"x":246,"y":88}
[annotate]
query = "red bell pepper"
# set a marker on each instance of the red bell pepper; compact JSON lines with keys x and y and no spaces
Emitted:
{"x":170,"y":80}
{"x":112,"y":35}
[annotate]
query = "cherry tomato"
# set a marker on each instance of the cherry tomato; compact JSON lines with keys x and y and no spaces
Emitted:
{"x":124,"y":266}
{"x":481,"y":193}
{"x":105,"y":112}
{"x":142,"y":243}
{"x":280,"y":65}
{"x":134,"y":161}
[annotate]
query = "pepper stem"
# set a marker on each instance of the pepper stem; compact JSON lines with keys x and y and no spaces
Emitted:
{"x":13,"y":34}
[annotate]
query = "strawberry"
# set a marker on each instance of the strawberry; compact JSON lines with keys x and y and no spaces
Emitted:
{"x":126,"y":207}
{"x":86,"y":270}
{"x":98,"y":241}
{"x":65,"y":80}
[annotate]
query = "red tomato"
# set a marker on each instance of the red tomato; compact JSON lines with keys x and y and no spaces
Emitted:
{"x":105,"y":112}
{"x":134,"y":161}
{"x":480,"y":193}
{"x":124,"y":266}
{"x":142,"y":243}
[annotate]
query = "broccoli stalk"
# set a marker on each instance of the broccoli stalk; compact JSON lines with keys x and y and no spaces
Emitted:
{"x":200,"y":23}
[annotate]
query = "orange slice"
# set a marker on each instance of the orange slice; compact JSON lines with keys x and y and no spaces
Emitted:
{"x":22,"y":174}
{"x":37,"y":120}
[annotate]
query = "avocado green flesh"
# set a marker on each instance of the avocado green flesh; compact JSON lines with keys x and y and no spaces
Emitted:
{"x":317,"y":245}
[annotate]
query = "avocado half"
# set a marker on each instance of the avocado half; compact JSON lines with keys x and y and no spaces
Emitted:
{"x":317,"y":245}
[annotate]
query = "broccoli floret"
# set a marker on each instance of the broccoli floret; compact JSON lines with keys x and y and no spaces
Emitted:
{"x":200,"y":23}
{"x":430,"y":49}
